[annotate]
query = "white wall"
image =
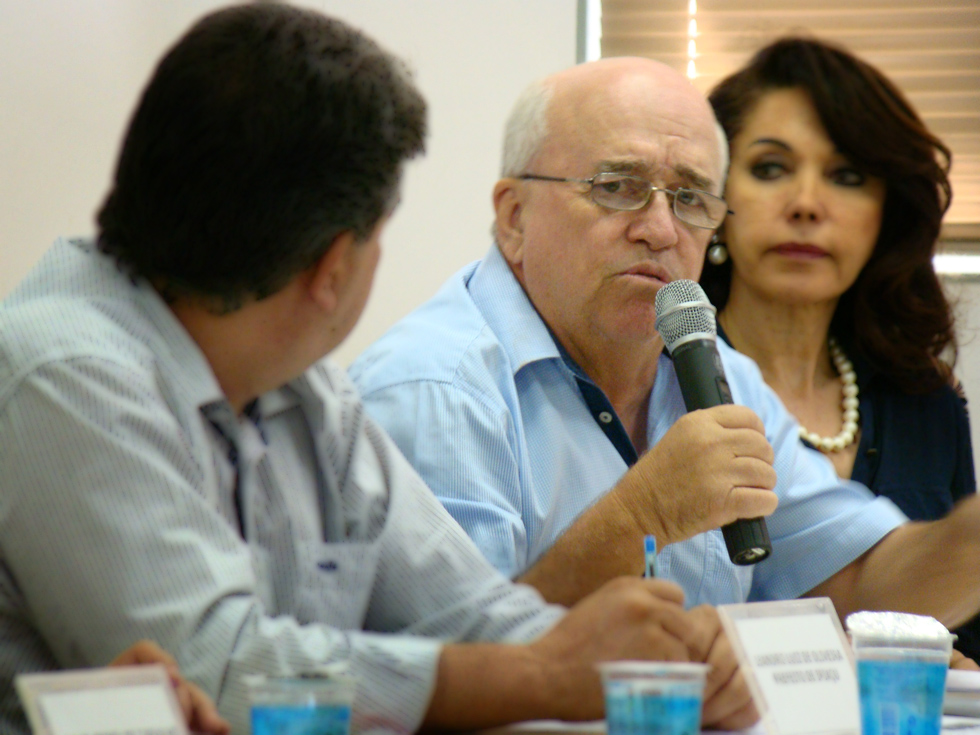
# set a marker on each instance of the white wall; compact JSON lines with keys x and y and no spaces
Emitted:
{"x":71,"y":71}
{"x":964,"y":292}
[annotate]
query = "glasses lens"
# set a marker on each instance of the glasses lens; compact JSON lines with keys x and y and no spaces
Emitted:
{"x":699,"y":208}
{"x":617,"y":191}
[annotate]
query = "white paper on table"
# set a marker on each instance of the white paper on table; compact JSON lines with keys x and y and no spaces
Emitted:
{"x":962,"y":693}
{"x":798,"y":665}
{"x":961,"y":725}
{"x":130,"y":700}
{"x":961,"y":680}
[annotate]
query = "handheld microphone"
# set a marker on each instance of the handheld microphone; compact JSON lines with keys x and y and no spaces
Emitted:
{"x":686,"y":322}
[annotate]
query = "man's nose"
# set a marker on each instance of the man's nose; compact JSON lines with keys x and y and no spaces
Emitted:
{"x":655,"y":224}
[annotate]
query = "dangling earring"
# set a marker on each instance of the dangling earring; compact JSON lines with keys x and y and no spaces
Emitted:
{"x":717,"y":253}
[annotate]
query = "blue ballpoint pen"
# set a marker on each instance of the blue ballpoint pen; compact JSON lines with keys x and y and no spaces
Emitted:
{"x":650,"y":557}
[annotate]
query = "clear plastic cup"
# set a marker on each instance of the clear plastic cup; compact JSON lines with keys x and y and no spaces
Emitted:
{"x":653,"y":697}
{"x":315,"y":704}
{"x":901,"y":669}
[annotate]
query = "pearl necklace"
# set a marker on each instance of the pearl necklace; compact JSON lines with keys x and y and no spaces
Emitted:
{"x":849,"y":405}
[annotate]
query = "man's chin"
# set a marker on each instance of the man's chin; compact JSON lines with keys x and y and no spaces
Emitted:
{"x":638,"y":330}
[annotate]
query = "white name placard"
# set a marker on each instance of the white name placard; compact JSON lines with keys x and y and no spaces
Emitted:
{"x":798,"y":664}
{"x":123,"y":700}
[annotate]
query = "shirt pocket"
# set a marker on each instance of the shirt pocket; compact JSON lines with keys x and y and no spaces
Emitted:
{"x":338,"y":584}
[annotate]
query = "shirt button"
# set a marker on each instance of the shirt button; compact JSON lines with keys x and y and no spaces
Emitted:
{"x":605,"y":417}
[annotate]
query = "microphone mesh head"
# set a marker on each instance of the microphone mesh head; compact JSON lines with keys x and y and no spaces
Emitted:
{"x":684,"y":313}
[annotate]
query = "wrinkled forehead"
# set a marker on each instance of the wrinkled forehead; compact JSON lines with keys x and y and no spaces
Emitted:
{"x":648,"y":120}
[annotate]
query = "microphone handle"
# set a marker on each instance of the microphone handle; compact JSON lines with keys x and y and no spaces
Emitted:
{"x":703,"y":385}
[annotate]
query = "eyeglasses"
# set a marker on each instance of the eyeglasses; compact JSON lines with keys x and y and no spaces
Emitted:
{"x":619,"y":191}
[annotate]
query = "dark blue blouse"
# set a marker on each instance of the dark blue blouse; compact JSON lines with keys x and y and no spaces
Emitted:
{"x":916,"y":451}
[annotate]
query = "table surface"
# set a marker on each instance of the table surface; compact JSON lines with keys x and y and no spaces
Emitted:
{"x":951,"y":724}
{"x":962,"y":682}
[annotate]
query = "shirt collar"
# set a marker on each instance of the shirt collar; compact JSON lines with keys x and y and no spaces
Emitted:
{"x":183,"y":358}
{"x":182,"y":365}
{"x":176,"y":349}
{"x":509,"y":312}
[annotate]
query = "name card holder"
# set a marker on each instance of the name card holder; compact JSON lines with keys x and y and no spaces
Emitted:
{"x":119,"y":700}
{"x":798,"y":664}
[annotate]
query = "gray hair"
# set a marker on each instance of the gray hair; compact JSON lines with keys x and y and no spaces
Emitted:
{"x":526,"y":128}
{"x":723,"y":152}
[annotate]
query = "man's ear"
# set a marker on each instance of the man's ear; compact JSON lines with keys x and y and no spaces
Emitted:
{"x":509,"y":224}
{"x":329,"y":275}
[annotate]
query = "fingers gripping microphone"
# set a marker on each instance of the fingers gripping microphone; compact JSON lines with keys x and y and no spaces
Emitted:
{"x":686,"y":322}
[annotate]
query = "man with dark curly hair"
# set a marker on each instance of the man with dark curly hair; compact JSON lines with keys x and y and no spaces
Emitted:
{"x":179,"y":465}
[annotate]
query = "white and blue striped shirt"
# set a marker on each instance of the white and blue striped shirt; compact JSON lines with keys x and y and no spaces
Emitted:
{"x":473,"y":389}
{"x":118,"y":516}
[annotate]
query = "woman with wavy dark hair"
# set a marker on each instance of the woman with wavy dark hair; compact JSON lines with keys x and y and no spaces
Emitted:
{"x":824,"y":273}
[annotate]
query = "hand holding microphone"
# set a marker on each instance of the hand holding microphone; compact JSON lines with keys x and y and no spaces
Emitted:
{"x":686,"y":322}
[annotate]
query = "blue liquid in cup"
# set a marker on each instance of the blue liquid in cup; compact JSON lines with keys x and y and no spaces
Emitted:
{"x":670,"y":713}
{"x":901,"y":697}
{"x":301,"y":720}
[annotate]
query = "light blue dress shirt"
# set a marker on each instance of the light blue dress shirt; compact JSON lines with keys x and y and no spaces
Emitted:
{"x":472,"y":388}
{"x":119,"y":518}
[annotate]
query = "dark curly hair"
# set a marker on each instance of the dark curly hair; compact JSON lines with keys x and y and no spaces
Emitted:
{"x":895,"y":313}
{"x":265,"y":132}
